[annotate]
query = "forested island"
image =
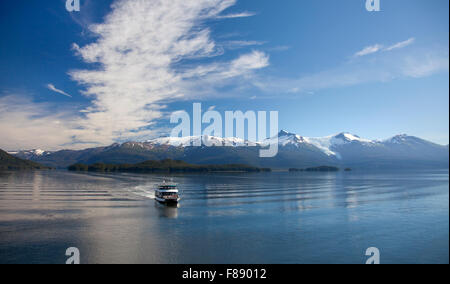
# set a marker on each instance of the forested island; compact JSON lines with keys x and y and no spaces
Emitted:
{"x":165,"y":166}
{"x":318,"y":169}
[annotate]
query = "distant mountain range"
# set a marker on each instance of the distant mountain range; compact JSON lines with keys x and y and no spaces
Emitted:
{"x":8,"y":162}
{"x":342,"y":150}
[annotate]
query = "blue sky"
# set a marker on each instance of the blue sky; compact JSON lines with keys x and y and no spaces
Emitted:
{"x":116,"y":70}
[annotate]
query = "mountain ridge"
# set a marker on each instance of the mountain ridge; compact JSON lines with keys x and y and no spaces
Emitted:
{"x":9,"y":162}
{"x":295,"y":151}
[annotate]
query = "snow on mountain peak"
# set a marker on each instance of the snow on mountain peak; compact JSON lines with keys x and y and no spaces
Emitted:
{"x":207,"y":140}
{"x":324,"y":144}
{"x":39,"y":152}
{"x":35,"y":152}
{"x":402,"y":138}
{"x":284,"y":133}
{"x":327,"y":144}
{"x":28,"y":154}
{"x":285,"y":138}
{"x":346,"y":137}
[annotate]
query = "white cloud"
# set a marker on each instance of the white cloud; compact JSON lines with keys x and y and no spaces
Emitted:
{"x":54,"y":89}
{"x":144,"y":48}
{"x":28,"y":125}
{"x":235,"y":44}
{"x":369,"y":50}
{"x":401,"y":44}
{"x":426,"y":65}
{"x":379,"y":47}
{"x":385,"y":68}
{"x":237,"y":75}
{"x":143,"y":55}
{"x":279,"y":48}
{"x":238,"y":15}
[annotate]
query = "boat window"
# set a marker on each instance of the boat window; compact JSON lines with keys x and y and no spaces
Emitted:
{"x":167,"y":187}
{"x":169,"y":194}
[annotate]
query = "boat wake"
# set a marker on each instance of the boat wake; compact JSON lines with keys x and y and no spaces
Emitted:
{"x":145,"y":191}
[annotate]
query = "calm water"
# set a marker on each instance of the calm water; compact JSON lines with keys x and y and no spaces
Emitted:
{"x":225,"y":218}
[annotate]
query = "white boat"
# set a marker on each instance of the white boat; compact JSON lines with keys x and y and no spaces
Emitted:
{"x":167,"y":193}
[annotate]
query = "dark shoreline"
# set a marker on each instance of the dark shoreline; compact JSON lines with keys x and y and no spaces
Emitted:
{"x":166,"y":166}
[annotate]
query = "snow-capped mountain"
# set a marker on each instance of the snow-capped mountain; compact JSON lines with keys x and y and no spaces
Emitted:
{"x":201,"y":140}
{"x":295,"y":151}
{"x":285,"y":138}
{"x":30,"y":154}
{"x":325,"y":144}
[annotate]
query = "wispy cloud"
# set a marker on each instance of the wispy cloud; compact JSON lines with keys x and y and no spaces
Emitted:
{"x":238,"y":15}
{"x":235,"y":44}
{"x":236,"y":75}
{"x":22,"y":120}
{"x":54,"y":89}
{"x":401,"y":44}
{"x":379,"y":47}
{"x":387,"y":67}
{"x":142,"y":56}
{"x":279,"y":48}
{"x":425,"y":65}
{"x":144,"y":48}
{"x":369,"y":50}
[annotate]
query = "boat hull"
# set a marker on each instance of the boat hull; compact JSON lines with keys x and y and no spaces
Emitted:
{"x":167,"y":201}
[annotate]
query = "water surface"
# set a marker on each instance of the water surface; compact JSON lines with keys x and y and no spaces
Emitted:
{"x":225,"y":218}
